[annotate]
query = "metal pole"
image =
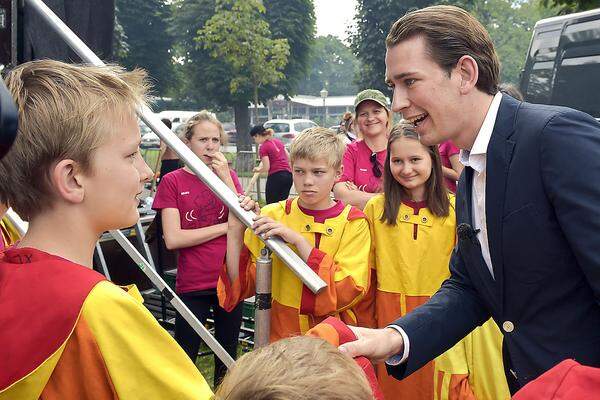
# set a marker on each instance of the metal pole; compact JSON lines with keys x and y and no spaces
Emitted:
{"x":166,"y":291}
{"x":262,"y":299}
{"x":291,"y":259}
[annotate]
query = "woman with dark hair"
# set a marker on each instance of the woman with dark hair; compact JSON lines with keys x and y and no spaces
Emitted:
{"x":274,"y":160}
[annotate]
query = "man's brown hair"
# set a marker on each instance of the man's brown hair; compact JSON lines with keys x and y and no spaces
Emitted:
{"x":66,"y":111}
{"x":297,"y":368}
{"x":450,"y":33}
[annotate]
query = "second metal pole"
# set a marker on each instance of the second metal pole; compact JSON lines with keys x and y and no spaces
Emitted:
{"x":262,"y":299}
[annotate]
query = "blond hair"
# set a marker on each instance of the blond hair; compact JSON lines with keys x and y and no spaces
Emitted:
{"x":450,"y":33}
{"x":318,"y":143}
{"x":297,"y":368}
{"x":204,"y":116}
{"x":66,"y":111}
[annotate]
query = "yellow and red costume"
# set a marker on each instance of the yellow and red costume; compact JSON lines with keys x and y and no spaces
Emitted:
{"x":67,"y":333}
{"x":411,"y":260}
{"x":340,"y":257}
{"x":335,"y":332}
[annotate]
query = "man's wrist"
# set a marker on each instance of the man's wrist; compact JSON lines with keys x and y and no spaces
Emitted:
{"x":396,"y":341}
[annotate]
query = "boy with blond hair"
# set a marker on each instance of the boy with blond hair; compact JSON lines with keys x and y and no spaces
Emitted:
{"x":297,"y":368}
{"x":332,"y":238}
{"x":74,"y":172}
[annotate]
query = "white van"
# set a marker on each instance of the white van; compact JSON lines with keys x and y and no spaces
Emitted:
{"x":287,"y":129}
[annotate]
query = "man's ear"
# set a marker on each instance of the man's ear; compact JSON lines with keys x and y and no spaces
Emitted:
{"x":468,"y":72}
{"x":66,"y":179}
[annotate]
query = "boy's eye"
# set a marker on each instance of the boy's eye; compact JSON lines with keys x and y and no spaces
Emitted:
{"x":409,"y":82}
{"x":133,"y":155}
{"x":415,"y":159}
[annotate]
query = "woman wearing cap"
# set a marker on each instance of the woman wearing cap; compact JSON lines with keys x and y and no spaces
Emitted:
{"x":274,"y":161}
{"x":364,"y":159}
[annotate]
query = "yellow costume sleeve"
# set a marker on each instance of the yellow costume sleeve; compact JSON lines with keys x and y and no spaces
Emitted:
{"x":346,"y":273}
{"x":142,"y":359}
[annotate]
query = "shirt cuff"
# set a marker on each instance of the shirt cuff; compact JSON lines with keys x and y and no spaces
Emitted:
{"x":399,"y":359}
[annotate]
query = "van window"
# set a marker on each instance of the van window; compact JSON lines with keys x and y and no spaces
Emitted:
{"x":575,"y":87}
{"x":539,"y":87}
{"x":278,"y":127}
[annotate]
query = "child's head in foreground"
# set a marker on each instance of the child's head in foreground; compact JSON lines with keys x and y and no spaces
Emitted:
{"x":297,"y":368}
{"x":77,"y":150}
{"x":316,"y":158}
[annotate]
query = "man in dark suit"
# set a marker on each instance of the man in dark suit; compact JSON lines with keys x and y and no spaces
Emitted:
{"x":528,"y":207}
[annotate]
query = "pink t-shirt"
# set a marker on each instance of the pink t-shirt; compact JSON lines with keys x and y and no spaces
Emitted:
{"x":448,"y":149}
{"x":359,"y":169}
{"x":198,"y":266}
{"x":278,"y":159}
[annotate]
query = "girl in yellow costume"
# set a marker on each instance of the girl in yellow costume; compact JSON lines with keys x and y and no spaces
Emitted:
{"x":413,"y":234}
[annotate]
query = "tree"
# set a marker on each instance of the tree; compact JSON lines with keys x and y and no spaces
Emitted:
{"x":293,"y":20}
{"x":571,"y":6}
{"x":144,"y":24}
{"x":333,"y":65}
{"x":239,"y":36}
{"x":373,"y":19}
{"x":510,"y":24}
{"x":204,"y":81}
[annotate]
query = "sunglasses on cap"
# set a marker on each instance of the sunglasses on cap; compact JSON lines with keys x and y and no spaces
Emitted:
{"x":376,"y":166}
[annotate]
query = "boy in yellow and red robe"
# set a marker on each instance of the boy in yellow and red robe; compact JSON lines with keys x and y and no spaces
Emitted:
{"x":66,"y":332}
{"x":332,"y":238}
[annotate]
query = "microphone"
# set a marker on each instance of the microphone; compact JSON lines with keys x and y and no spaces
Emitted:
{"x":466,"y":232}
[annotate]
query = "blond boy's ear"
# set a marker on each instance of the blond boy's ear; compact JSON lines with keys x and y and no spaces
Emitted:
{"x":66,"y":179}
{"x":339,"y":172}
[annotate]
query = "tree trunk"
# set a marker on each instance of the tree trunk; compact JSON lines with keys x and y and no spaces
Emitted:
{"x":256,"y":104}
{"x":244,"y":158}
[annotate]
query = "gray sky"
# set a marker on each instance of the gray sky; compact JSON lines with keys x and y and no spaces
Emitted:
{"x":334,"y":17}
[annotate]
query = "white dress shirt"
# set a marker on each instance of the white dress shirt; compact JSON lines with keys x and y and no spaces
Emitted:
{"x":476,"y":159}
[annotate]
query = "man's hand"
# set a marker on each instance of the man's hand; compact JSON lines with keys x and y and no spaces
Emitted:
{"x":376,"y":344}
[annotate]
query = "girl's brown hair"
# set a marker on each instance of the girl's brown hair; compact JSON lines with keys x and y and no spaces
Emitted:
{"x":436,"y":194}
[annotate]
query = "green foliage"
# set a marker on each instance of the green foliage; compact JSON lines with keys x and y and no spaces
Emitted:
{"x":571,"y":6}
{"x":374,"y":18}
{"x":293,"y":20}
{"x":510,"y":25}
{"x":237,"y":35}
{"x":334,"y":66}
{"x":143,"y":41}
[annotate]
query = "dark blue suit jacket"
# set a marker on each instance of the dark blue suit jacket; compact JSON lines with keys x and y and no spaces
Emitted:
{"x":543,"y":221}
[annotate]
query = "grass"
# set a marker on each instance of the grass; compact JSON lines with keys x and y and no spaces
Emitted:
{"x":206,"y":365}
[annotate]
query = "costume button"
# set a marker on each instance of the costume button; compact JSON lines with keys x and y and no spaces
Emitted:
{"x":307,"y":227}
{"x":329,"y":231}
{"x":508,"y":326}
{"x":406,"y":217}
{"x":424,"y":220}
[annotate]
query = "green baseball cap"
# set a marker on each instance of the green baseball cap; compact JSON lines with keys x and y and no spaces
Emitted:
{"x":373,"y":95}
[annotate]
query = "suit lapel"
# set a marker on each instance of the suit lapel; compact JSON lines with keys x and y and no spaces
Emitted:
{"x":499,"y":154}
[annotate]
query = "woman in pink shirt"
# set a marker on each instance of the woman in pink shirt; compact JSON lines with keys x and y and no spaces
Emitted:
{"x":364,"y":159}
{"x":194,"y":222}
{"x":274,"y":160}
{"x":451,"y":166}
